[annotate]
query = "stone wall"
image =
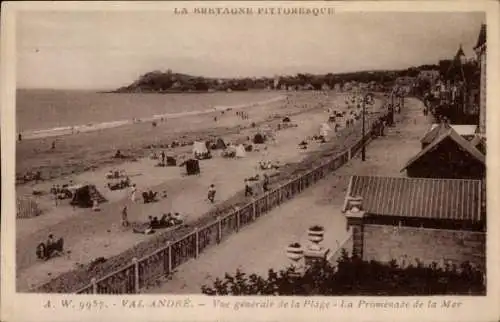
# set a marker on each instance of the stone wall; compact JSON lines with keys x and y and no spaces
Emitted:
{"x":336,"y":250}
{"x":384,"y":243}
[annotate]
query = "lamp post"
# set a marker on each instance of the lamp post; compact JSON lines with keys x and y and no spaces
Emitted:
{"x":363,"y":149}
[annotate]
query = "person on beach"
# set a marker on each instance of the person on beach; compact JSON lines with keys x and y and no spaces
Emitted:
{"x":177,"y":219}
{"x":163,"y":156}
{"x":55,"y":191}
{"x":50,"y":241}
{"x":20,"y":137}
{"x":133,"y":193}
{"x":125,"y":222}
{"x":95,"y":205}
{"x":211,"y":193}
{"x":53,"y":145}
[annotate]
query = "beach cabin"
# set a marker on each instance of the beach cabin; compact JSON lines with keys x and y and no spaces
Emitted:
{"x":448,"y":156}
{"x":434,"y":221}
{"x":417,"y":202}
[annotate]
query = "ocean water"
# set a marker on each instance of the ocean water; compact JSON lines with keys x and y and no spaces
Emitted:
{"x":42,"y":110}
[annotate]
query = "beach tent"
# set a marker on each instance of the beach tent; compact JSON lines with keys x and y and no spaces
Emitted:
{"x":326,"y":127}
{"x":259,"y":138}
{"x":220,"y":144}
{"x":192,"y":166}
{"x":240,"y":151}
{"x":171,"y":161}
{"x":200,"y":149}
{"x":324,"y":130}
{"x":84,"y":195}
{"x":27,"y":208}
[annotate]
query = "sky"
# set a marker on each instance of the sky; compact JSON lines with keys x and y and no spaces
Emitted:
{"x":105,"y":50}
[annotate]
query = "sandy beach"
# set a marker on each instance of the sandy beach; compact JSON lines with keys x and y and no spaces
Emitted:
{"x":89,"y":235}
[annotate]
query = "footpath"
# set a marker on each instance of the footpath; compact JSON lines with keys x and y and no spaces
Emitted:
{"x":261,"y":245}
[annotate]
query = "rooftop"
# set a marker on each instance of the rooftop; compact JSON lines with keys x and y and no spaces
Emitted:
{"x":435,"y":132}
{"x":461,"y":129}
{"x":481,"y":39}
{"x":453,"y":135}
{"x":447,"y":199}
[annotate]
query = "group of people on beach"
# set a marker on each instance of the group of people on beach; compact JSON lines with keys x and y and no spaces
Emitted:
{"x":61,"y":192}
{"x":243,"y":115}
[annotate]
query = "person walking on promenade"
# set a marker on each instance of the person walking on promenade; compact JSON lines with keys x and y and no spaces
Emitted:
{"x":248,"y":189}
{"x":211,"y":193}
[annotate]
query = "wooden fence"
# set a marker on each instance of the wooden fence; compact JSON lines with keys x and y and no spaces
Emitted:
{"x":141,"y":272}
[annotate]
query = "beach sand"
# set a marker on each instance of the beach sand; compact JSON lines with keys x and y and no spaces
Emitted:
{"x":89,"y":235}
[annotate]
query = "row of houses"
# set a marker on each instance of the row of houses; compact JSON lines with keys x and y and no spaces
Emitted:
{"x":436,"y":213}
{"x":461,"y":95}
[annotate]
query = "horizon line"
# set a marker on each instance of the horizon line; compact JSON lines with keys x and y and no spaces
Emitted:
{"x":225,"y":77}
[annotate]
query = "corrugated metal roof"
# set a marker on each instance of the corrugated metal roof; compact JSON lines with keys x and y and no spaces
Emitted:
{"x":460,"y":141}
{"x":454,"y":199}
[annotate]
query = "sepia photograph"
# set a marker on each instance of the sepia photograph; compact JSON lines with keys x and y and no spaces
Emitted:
{"x":252,"y":150}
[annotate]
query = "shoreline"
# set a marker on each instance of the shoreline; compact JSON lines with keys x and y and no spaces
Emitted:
{"x":88,"y":151}
{"x":91,"y":127}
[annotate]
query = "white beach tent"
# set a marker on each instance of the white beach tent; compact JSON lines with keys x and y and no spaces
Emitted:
{"x":199,"y":148}
{"x":240,"y":151}
{"x":324,"y":130}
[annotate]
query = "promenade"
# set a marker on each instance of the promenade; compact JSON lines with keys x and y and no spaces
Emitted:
{"x":261,"y":245}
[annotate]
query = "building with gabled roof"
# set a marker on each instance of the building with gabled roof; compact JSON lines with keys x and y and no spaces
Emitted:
{"x":448,"y":156}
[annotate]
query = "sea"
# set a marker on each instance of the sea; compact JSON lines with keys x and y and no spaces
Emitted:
{"x":41,"y":113}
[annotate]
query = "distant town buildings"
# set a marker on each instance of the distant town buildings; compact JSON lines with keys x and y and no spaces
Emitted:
{"x":429,"y":75}
{"x":405,"y":84}
{"x":480,"y":50}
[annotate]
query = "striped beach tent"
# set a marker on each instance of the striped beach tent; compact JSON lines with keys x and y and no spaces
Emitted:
{"x":27,"y":208}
